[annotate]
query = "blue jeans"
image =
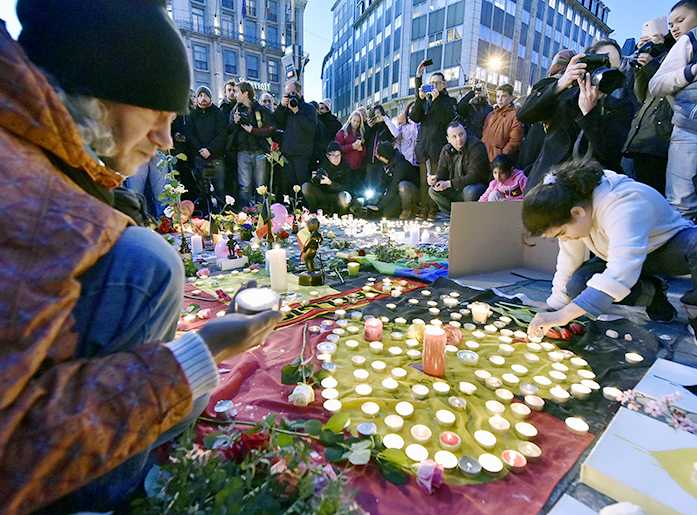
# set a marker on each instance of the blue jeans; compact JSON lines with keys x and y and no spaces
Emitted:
{"x":132,"y":295}
{"x":149,"y":181}
{"x":251,"y":173}
{"x":681,"y":172}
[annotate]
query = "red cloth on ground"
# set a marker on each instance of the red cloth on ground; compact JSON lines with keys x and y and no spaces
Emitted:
{"x":253,"y":382}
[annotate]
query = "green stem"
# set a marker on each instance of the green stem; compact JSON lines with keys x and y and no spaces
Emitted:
{"x":246,"y":423}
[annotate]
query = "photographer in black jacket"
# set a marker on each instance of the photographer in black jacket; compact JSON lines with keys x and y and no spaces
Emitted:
{"x":473,"y":108}
{"x":330,"y":187}
{"x":376,"y":133}
{"x":250,"y":135}
{"x":397,"y":192}
{"x":298,"y":120}
{"x":434,"y":109}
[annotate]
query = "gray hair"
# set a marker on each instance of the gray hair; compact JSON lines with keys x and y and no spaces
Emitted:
{"x":90,"y":116}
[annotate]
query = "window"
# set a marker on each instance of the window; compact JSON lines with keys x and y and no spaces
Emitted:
{"x":250,"y":30}
{"x":272,"y":10}
{"x":414,"y":60}
{"x":274,"y":68}
{"x":229,"y":61}
{"x":272,"y":36}
{"x":435,"y":21}
{"x":397,"y":39}
{"x":397,"y":7}
{"x":456,"y":14}
{"x":509,"y":24}
{"x":385,"y":76}
{"x":452,"y":54}
{"x":227,"y":26}
{"x":523,"y":34}
{"x":377,"y":82}
{"x":487,"y":9}
{"x":251,"y":7}
{"x":436,"y":55}
{"x":387,"y":47}
{"x":395,"y":71}
{"x":200,"y":54}
{"x":418,"y":27}
{"x":252,"y":66}
{"x":197,"y":19}
{"x":536,"y":42}
{"x":228,"y":4}
{"x":454,"y":34}
{"x":498,"y":20}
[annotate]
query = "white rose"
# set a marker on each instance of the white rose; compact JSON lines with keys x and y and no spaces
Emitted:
{"x":296,"y":188}
{"x":229,"y":200}
{"x":302,"y":395}
{"x":262,"y":190}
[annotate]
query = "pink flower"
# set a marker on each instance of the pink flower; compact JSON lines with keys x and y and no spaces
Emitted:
{"x":279,"y":467}
{"x":329,"y":471}
{"x":203,"y":273}
{"x":204,"y":314}
{"x":429,"y":475}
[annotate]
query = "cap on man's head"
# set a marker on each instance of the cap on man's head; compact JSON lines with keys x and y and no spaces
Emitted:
{"x":126,"y":51}
{"x":205,"y":90}
{"x":328,"y":103}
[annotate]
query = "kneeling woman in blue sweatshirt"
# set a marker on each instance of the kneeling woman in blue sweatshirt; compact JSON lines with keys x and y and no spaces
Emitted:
{"x":630,"y":228}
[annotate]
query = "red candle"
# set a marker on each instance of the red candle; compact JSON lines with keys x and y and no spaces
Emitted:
{"x":373,"y":330}
{"x":450,"y":441}
{"x":434,"y":351}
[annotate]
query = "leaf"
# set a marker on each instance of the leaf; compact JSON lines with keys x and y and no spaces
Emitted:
{"x":335,"y":454}
{"x":290,"y":374}
{"x":209,"y":440}
{"x":359,"y":457}
{"x":394,"y":456}
{"x":295,"y":425}
{"x":337,"y":422}
{"x":284,"y":440}
{"x":362,"y":445}
{"x":182,"y":157}
{"x":192,"y":308}
{"x":313,"y":427}
{"x":329,"y":438}
{"x":392,"y":473}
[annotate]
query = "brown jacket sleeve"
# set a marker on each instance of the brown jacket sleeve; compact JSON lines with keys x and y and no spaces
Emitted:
{"x":515,"y":137}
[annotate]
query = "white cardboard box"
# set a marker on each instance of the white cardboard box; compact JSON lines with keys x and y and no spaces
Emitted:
{"x":664,"y":378}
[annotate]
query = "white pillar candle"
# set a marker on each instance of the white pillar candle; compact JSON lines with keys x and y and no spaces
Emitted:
{"x":196,"y":245}
{"x":480,"y":312}
{"x":278,"y":269}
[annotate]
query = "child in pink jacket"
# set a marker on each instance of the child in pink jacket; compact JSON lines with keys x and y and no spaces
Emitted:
{"x":508,"y":183}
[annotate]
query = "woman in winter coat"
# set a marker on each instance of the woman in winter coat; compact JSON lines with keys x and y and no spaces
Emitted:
{"x":630,"y":229}
{"x":351,"y":137}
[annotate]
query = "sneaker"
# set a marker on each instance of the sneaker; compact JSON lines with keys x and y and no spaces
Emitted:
{"x":660,"y":309}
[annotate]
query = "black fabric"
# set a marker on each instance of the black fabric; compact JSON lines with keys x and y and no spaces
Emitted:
{"x":434,"y":118}
{"x":341,"y":177}
{"x":378,"y":133}
{"x":651,"y":170}
{"x":331,"y":124}
{"x":127,"y":51}
{"x":395,"y":172}
{"x":468,"y":166}
{"x":255,"y":141}
{"x":207,"y":129}
{"x":531,"y":146}
{"x":299,"y":129}
{"x":226,"y":107}
{"x":473,"y":114}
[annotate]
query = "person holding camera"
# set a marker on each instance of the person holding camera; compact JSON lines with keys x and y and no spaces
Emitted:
{"x":463,"y":169}
{"x":250,"y":136}
{"x":434,"y":109}
{"x":376,"y":133}
{"x":207,"y":138}
{"x":474,"y":108}
{"x":298,"y":120}
{"x":649,"y":136}
{"x":397,"y":189}
{"x":675,"y":78}
{"x":331,"y":183}
{"x":503,"y":133}
{"x":582,"y":114}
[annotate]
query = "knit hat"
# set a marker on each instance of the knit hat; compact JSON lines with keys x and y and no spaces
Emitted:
{"x":386,"y":150}
{"x":327,"y":102}
{"x":126,"y":51}
{"x":204,"y":89}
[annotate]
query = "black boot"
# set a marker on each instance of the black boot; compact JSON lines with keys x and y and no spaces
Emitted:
{"x":660,"y":309}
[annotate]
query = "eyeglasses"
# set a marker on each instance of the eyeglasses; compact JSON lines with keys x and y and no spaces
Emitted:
{"x":334,"y":154}
{"x":267,"y":101}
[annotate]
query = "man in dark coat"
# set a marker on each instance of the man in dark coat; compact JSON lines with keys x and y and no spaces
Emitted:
{"x":298,"y":120}
{"x":226,"y":107}
{"x":398,"y":191}
{"x":331,"y":123}
{"x":473,"y":108}
{"x":434,"y":110}
{"x":207,"y":137}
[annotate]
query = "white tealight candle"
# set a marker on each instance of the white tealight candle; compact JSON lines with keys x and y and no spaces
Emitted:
{"x":414,"y":354}
{"x":469,"y":327}
{"x":490,"y":463}
{"x":390,"y":384}
{"x":521,"y":335}
{"x":497,"y":361}
{"x":456,"y":325}
{"x":519,"y":370}
{"x":534,"y":347}
{"x":456,"y":316}
{"x":329,"y":382}
{"x":457,"y":402}
{"x":376,"y":347}
{"x":578,"y":362}
{"x":542,"y":381}
{"x":472,"y":345}
{"x":467,"y":388}
{"x":436,"y":322}
{"x":434,"y":311}
{"x":580,"y":391}
{"x":534,"y":402}
{"x":520,"y":411}
{"x":499,"y":424}
{"x":491,"y":329}
{"x":398,"y":373}
{"x":426,"y":293}
{"x":546,"y":346}
{"x":482,"y":374}
{"x":432,"y":303}
{"x":504,"y":395}
{"x":450,"y":302}
{"x":413,"y":301}
{"x":557,"y":376}
{"x":494,"y":407}
{"x":507,"y":332}
{"x":419,"y":391}
{"x":560,"y":367}
{"x":510,"y":379}
{"x":499,"y":324}
{"x":632,"y":358}
{"x":577,"y":425}
{"x":559,"y":394}
{"x":485,"y":439}
{"x":586,"y":374}
{"x":397,"y":336}
{"x":400,"y":321}
{"x":555,"y":355}
{"x":445,"y":417}
{"x":393,"y":441}
{"x":363,"y":389}
{"x":446,"y":459}
{"x":531,"y":358}
{"x":412,"y":342}
{"x":378,"y":366}
{"x":416,"y":452}
{"x":351,"y":344}
{"x":404,"y":409}
{"x":493,"y":383}
{"x":590,"y":384}
{"x":358,"y":360}
{"x":394,"y":422}
{"x":395,"y":351}
{"x":370,"y":409}
{"x":339,"y":331}
{"x":360,"y":374}
{"x":451,"y":348}
{"x":391,"y":306}
{"x":526,"y":430}
{"x":479,"y":334}
{"x":353,"y":329}
{"x":420,"y":433}
{"x":611,"y":393}
{"x":330,"y":393}
{"x":454,"y":294}
{"x":441,"y":387}
{"x":505,"y":348}
{"x":332,"y":405}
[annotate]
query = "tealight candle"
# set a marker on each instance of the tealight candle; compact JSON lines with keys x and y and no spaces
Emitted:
{"x":494,"y":407}
{"x":404,"y":409}
{"x":468,"y":327}
{"x":559,"y":394}
{"x":436,"y":322}
{"x":480,"y":312}
{"x":353,"y":329}
{"x":450,"y":302}
{"x":580,"y":391}
{"x":557,"y":376}
{"x":499,"y":424}
{"x":467,"y":388}
{"x":530,"y":450}
{"x":526,"y":430}
{"x":472,"y":345}
{"x":449,"y":440}
{"x":373,"y":330}
{"x":528,"y":389}
{"x":330,"y":393}
{"x":397,"y":335}
{"x":329,"y":382}
{"x":445,"y":459}
{"x":426,"y":293}
{"x":384,"y":320}
{"x":340,"y":313}
{"x":577,"y":425}
{"x":519,"y":370}
{"x":395,"y":351}
{"x":555,"y":355}
{"x":543,"y":381}
{"x":497,"y":361}
{"x":534,"y":347}
{"x":376,"y":347}
{"x":510,"y":379}
{"x":351,"y":344}
{"x":434,"y":351}
{"x":363,"y":389}
{"x":419,"y":391}
{"x":505,"y":349}
{"x":434,"y":311}
{"x":445,"y":417}
{"x":456,"y":316}
{"x":469,"y":466}
{"x":370,"y":409}
{"x":514,"y":460}
{"x":324,"y":356}
{"x":400,"y":321}
{"x":578,"y":362}
{"x":482,"y":374}
{"x":504,"y":395}
{"x":468,"y":357}
{"x":491,"y":329}
{"x":531,"y":358}
{"x":412,"y":342}
{"x":441,"y":387}
{"x":520,"y":335}
{"x":534,"y":402}
{"x":391,"y":306}
{"x":492,"y":383}
{"x":505,"y":319}
{"x":457,"y":402}
{"x":414,"y":354}
{"x":507,"y":332}
{"x":632,"y":358}
{"x":546,"y":346}
{"x":478,"y":334}
{"x":398,"y":372}
{"x":394,"y":422}
{"x":611,"y":393}
{"x":560,"y":367}
{"x":333,"y":338}
{"x":454,"y":294}
{"x":520,"y":411}
{"x":332,"y":405}
{"x":413,"y":301}
{"x":451,"y":349}
{"x":499,"y":325}
{"x":358,"y":360}
{"x":326,"y":348}
{"x":360,"y":374}
{"x":420,"y":433}
{"x":367,"y":428}
{"x":378,"y":366}
{"x":586,"y":374}
{"x":356,"y":315}
{"x":393,"y":441}
{"x":416,"y":452}
{"x":342,"y":323}
{"x":339,"y":331}
{"x":455,"y":324}
{"x":590,"y":384}
{"x":485,"y":439}
{"x":390,"y":384}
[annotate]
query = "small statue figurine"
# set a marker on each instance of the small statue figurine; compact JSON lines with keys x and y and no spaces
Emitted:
{"x":312,"y":277}
{"x":231,"y":247}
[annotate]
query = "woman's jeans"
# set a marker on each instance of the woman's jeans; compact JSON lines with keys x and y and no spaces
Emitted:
{"x":132,"y":295}
{"x":149,"y":181}
{"x":682,"y":171}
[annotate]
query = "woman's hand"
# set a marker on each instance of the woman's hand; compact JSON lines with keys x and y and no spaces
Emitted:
{"x":589,"y":95}
{"x":543,"y":322}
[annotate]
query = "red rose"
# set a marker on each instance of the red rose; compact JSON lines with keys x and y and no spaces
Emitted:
{"x":283,"y":234}
{"x":274,"y":146}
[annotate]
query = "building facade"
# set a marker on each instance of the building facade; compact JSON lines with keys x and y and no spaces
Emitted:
{"x":240,"y":39}
{"x":377,"y":44}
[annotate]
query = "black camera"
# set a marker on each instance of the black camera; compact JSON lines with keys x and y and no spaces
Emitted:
{"x":319,"y":175}
{"x":245,"y":118}
{"x":293,"y":100}
{"x":603,"y":76}
{"x":651,"y":48}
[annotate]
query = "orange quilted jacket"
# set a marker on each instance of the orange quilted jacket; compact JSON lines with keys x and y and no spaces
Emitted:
{"x":63,"y":421}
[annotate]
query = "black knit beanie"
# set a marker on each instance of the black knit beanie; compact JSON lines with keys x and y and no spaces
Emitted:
{"x":386,"y":150}
{"x":126,"y":51}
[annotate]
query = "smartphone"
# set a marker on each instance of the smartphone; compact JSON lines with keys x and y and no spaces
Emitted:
{"x":427,"y":88}
{"x":428,"y":62}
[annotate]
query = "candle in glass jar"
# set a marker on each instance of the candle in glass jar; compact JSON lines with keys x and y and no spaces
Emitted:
{"x":373,"y":329}
{"x":278,"y":269}
{"x":196,"y":245}
{"x":480,"y":312}
{"x":434,"y":351}
{"x":353,"y":268}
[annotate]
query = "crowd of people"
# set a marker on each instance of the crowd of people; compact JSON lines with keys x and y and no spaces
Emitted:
{"x":93,"y":376}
